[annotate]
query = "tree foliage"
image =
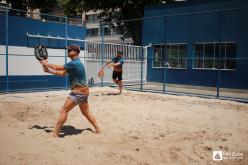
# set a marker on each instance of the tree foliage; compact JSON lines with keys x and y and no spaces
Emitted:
{"x":115,"y":13}
{"x":48,"y":5}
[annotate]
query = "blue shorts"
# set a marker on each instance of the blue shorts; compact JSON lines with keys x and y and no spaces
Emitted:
{"x":78,"y":97}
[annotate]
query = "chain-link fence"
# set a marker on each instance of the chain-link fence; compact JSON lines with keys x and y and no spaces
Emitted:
{"x":21,"y":71}
{"x":199,"y":54}
{"x":3,"y":52}
{"x":21,"y":32}
{"x":197,"y":51}
{"x":216,"y":83}
{"x":97,"y":55}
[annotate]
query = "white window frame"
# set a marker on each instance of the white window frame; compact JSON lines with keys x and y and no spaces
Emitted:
{"x":153,"y":57}
{"x":177,"y":44}
{"x":229,"y":42}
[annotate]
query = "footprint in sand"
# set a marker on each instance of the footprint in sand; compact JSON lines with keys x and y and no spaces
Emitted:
{"x":162,"y":135}
{"x":135,"y":137}
{"x":224,"y":148}
{"x":208,"y":148}
{"x":174,"y":153}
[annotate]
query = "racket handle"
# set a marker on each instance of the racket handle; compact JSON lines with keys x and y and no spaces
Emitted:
{"x":45,"y":69}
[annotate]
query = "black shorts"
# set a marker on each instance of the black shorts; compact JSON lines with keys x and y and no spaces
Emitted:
{"x":116,"y":75}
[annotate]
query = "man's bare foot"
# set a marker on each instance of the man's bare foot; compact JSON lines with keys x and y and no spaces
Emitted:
{"x":55,"y":134}
{"x":120,"y":89}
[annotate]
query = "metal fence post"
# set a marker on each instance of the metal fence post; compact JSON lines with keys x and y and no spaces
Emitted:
{"x":218,"y":80}
{"x":7,"y":44}
{"x":164,"y":68}
{"x":219,"y":59}
{"x":102,"y":47}
{"x":141,"y":75}
{"x":164,"y":56}
{"x":66,"y":35}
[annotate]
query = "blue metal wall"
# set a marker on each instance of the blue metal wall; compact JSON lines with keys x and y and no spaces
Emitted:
{"x":212,"y":21}
{"x":19,"y":27}
{"x":16,"y":83}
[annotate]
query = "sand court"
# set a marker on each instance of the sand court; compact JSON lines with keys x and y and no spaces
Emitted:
{"x":137,"y":128}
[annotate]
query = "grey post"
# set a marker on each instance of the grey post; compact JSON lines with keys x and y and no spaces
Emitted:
{"x":7,"y":53}
{"x":102,"y":47}
{"x":66,"y":35}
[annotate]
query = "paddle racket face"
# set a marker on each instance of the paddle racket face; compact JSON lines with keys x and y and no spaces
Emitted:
{"x":40,"y":52}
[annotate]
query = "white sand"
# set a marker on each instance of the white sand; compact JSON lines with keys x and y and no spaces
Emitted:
{"x":137,"y":128}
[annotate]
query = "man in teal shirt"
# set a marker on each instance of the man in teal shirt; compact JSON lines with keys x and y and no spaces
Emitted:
{"x":117,"y":62}
{"x":79,"y":89}
{"x":76,"y":72}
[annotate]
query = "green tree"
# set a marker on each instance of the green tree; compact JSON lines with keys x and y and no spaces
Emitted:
{"x":115,"y":12}
{"x":48,"y":5}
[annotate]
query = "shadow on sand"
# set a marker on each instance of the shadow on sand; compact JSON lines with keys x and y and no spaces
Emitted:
{"x":66,"y":130}
{"x":110,"y":94}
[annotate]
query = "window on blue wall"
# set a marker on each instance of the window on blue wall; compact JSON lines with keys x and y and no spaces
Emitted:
{"x":177,"y":56}
{"x":199,"y":54}
{"x":207,"y":55}
{"x":158,"y":56}
{"x":228,"y":56}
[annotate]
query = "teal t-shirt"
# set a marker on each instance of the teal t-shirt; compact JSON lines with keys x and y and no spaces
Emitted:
{"x":76,"y":72}
{"x":117,"y":59}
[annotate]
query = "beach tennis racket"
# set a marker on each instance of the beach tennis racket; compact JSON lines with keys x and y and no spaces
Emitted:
{"x":40,"y":52}
{"x":100,"y":73}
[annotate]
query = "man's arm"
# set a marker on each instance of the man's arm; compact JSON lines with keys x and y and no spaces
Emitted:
{"x":106,"y":64}
{"x":61,"y":72}
{"x":114,"y":64}
{"x":52,"y":66}
{"x":120,"y":62}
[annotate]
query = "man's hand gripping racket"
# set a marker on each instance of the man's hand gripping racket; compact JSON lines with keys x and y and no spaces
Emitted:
{"x":41,"y":54}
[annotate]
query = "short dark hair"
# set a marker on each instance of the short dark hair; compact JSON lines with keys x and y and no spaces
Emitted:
{"x":119,"y":52}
